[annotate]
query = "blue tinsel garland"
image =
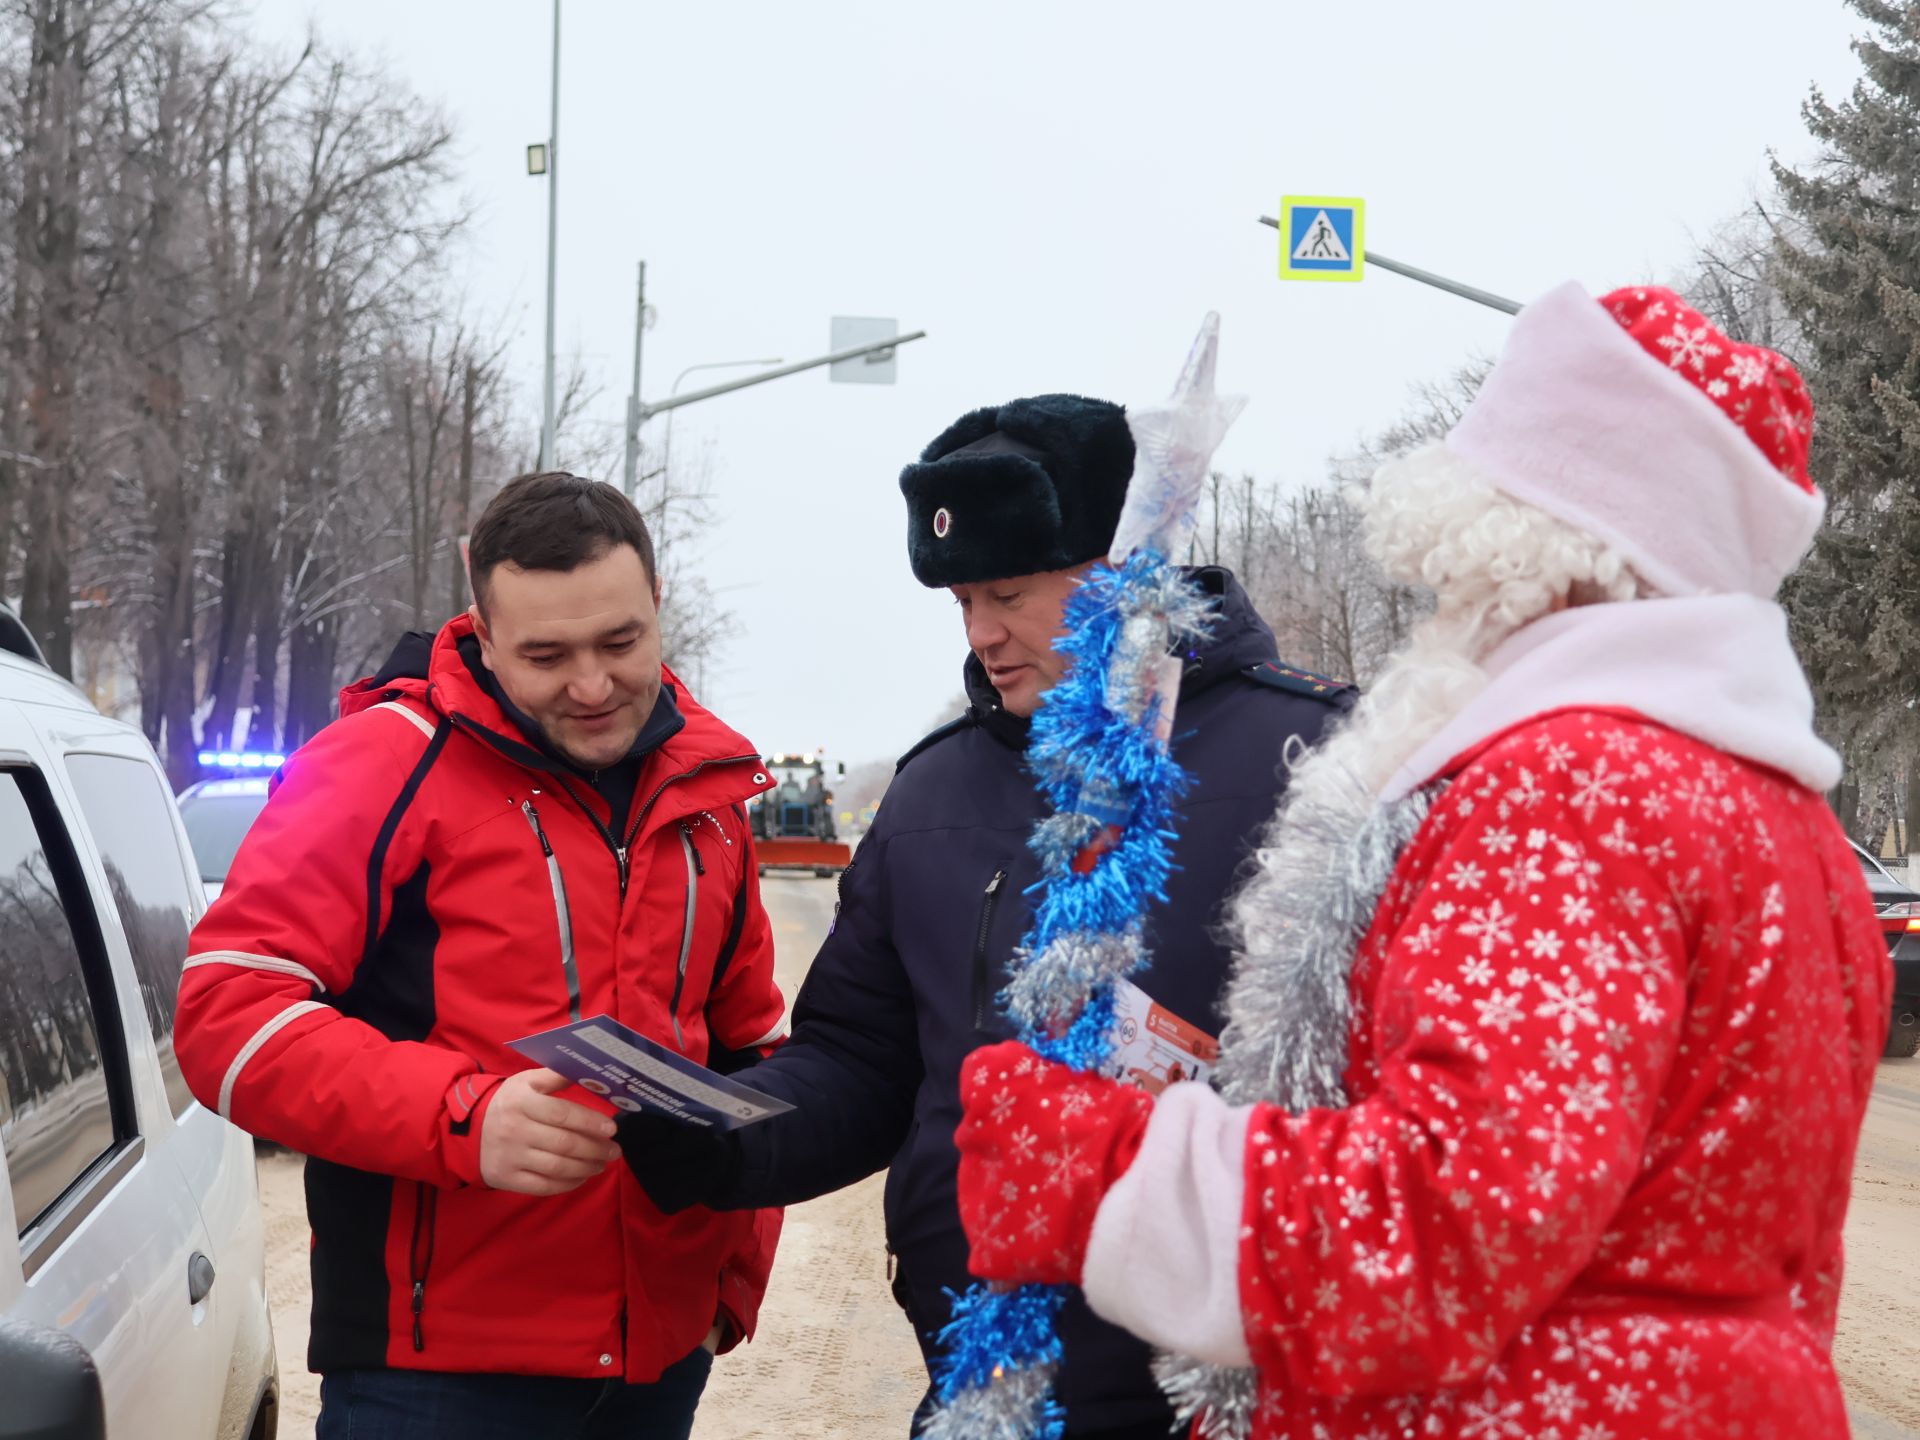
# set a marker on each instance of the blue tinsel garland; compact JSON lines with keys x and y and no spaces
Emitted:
{"x":1097,"y":758}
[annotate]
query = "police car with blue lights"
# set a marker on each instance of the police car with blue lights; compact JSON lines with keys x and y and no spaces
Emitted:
{"x":220,"y":811}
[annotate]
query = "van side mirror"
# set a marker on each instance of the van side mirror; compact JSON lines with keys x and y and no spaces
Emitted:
{"x":51,"y":1385}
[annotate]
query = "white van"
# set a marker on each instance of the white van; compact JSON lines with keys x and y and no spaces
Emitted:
{"x":129,"y":1213}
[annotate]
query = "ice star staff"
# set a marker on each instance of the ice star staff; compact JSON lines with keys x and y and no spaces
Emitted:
{"x":1100,"y":754}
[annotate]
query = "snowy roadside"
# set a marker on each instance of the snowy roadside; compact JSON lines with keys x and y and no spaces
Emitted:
{"x":834,"y":1356}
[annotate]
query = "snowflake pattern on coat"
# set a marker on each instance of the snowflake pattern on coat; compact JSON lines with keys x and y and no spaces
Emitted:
{"x":1615,"y":1025}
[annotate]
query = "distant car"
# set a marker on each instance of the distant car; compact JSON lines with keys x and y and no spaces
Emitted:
{"x":218,"y":814}
{"x":129,"y":1213}
{"x":1898,"y":906}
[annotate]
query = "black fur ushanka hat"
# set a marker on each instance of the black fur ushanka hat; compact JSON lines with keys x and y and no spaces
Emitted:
{"x":1016,"y":489}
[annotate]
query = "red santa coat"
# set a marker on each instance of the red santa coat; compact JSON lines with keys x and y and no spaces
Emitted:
{"x":1615,"y":1025}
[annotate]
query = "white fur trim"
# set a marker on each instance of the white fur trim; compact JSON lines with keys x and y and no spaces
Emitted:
{"x":1717,"y":667}
{"x":1164,"y":1257}
{"x":1579,"y":420}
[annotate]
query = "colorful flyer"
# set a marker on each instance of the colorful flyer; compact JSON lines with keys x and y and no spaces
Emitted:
{"x":1156,"y":1048}
{"x":634,"y":1074}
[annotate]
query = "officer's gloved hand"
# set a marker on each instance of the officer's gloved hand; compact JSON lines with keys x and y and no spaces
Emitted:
{"x":677,"y":1165}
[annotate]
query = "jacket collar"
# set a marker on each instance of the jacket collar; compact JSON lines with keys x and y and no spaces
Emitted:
{"x":681,"y":734}
{"x":663,"y":723}
{"x":1239,"y":638}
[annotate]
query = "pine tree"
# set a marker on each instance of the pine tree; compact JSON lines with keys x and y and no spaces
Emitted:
{"x":1849,"y":274}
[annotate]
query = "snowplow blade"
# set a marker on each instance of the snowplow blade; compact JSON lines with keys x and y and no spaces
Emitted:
{"x":788,"y":852}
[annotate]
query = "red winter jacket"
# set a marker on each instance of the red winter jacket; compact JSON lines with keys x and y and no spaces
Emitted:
{"x":1613,"y":1032}
{"x":391,"y":923}
{"x":1615,"y":1027}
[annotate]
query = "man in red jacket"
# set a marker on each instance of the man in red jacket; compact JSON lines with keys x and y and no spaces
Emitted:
{"x":520,"y":821}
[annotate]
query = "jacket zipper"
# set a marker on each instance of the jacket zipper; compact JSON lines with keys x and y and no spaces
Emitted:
{"x":425,"y":1215}
{"x":840,"y":894}
{"x":695,"y":869}
{"x":532,"y":760}
{"x":611,"y":840}
{"x":982,"y":999}
{"x":562,"y":912}
{"x":623,"y":850}
{"x":519,"y":756}
{"x":640,"y":816}
{"x":693,"y":850}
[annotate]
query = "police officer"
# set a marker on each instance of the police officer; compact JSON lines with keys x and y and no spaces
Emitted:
{"x":1007,"y":509}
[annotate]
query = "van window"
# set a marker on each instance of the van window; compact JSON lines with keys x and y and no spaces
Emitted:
{"x":56,"y":1115}
{"x":131,"y":817}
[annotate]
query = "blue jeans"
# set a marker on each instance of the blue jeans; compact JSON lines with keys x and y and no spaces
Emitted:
{"x":432,"y":1405}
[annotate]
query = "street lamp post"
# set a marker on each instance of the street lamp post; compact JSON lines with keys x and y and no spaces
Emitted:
{"x":630,"y":482}
{"x":553,"y":228}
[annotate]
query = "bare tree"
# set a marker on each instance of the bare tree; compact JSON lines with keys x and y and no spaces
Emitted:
{"x":244,"y":421}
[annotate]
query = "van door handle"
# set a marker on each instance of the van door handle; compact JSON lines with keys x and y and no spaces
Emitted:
{"x":199,"y":1278}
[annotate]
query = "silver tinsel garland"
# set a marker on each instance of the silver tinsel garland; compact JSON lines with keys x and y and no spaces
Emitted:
{"x":1298,"y":923}
{"x":1100,"y":752}
{"x":1003,"y":1411}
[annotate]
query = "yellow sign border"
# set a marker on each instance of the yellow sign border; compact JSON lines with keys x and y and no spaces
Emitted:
{"x":1289,"y":203}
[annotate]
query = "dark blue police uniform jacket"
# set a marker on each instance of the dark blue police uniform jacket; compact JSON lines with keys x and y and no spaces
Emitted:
{"x":930,"y":912}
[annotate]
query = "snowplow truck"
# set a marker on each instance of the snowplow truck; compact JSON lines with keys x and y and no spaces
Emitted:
{"x":793,"y":822}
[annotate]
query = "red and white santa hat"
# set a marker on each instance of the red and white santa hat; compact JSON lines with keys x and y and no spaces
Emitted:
{"x":1636,"y":420}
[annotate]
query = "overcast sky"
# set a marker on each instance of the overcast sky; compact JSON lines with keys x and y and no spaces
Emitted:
{"x":1057,"y":192}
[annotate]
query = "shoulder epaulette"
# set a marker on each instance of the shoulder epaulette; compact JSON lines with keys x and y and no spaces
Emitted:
{"x":1303,"y":682}
{"x":952,"y":727}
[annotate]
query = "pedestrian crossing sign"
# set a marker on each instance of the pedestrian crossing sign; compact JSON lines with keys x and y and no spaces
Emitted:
{"x":1322,"y":237}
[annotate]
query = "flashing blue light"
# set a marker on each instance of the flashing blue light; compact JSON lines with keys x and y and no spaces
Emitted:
{"x":240,"y":760}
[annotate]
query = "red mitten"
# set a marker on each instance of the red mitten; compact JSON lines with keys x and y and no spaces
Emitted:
{"x":1039,"y":1148}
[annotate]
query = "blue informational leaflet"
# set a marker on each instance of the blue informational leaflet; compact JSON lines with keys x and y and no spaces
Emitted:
{"x":634,"y":1074}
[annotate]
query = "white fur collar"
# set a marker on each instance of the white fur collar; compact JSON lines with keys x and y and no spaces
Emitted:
{"x":1716,"y":667}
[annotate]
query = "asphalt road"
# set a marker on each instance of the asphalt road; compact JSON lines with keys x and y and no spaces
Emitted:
{"x":834,"y":1356}
{"x":1877,"y":1349}
{"x":839,"y":1348}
